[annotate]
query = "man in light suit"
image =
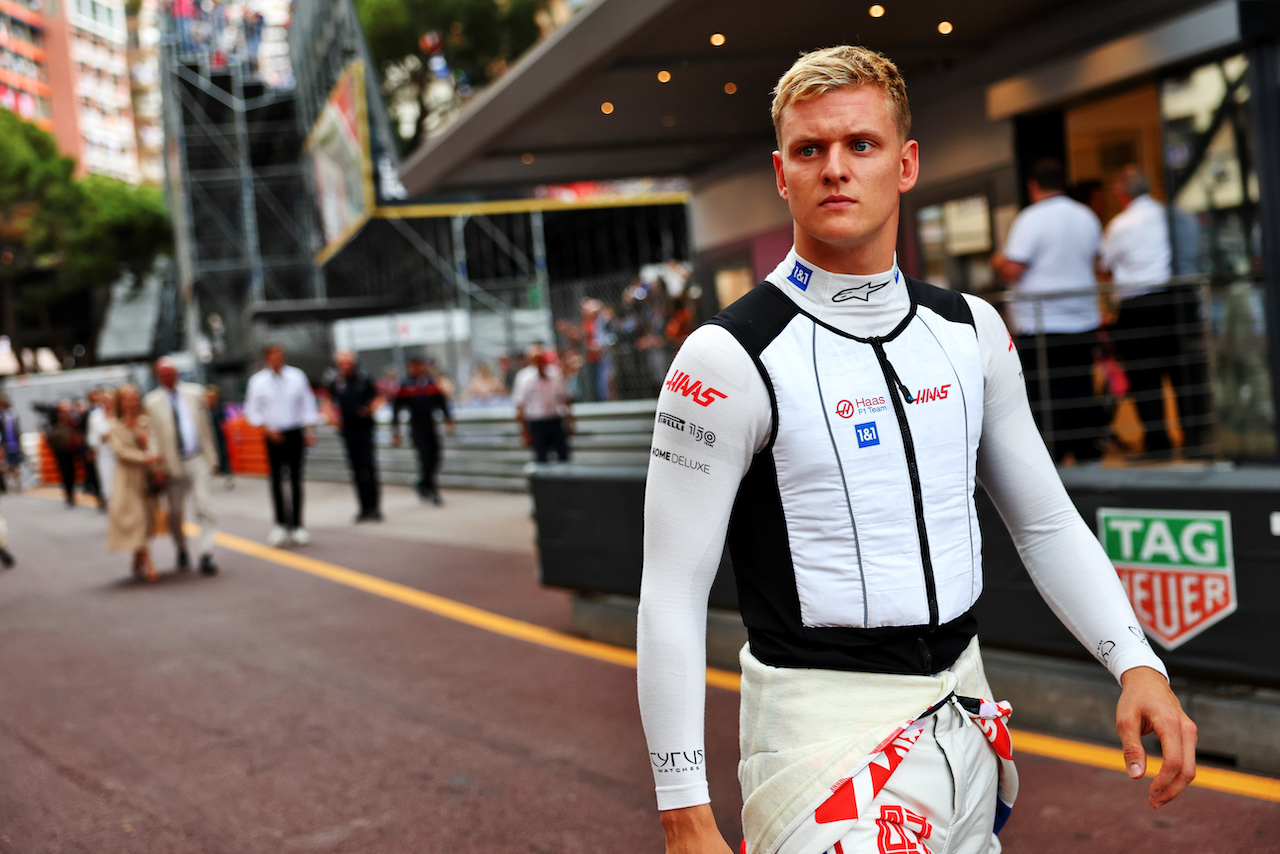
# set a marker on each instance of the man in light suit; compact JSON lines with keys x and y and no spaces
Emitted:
{"x":180,"y":428}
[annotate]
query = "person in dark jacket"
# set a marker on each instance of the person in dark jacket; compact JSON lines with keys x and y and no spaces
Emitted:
{"x":355,"y":399}
{"x":422,"y":396}
{"x":64,"y":442}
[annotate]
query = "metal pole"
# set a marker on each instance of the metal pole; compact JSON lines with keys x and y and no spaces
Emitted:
{"x":248,"y":207}
{"x":541,"y":278}
{"x":1264,"y":85}
{"x":461,"y":291}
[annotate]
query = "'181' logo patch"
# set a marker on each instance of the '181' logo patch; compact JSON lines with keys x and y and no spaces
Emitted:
{"x":867,"y":434}
{"x":800,"y":276}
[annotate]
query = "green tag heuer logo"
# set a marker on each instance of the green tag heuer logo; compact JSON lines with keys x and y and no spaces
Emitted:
{"x":1177,"y":566}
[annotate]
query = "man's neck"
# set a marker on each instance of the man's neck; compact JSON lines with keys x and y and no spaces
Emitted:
{"x":859,"y":260}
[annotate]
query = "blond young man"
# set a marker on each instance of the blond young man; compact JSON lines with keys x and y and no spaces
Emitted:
{"x":831,"y":426}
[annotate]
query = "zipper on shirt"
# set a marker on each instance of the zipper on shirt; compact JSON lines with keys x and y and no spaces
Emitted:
{"x":898,"y":393}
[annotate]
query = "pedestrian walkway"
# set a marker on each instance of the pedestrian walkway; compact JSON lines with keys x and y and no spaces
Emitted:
{"x":270,"y":709}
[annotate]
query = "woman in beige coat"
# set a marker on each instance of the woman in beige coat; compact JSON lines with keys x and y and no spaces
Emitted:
{"x":132,"y":510}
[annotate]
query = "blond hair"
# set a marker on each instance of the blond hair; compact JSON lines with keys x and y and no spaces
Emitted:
{"x":842,"y":67}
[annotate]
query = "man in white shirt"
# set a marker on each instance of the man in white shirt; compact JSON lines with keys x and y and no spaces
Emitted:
{"x":1048,"y":262}
{"x":542,"y":408}
{"x":181,"y":430}
{"x":1156,"y":327}
{"x":279,"y":399}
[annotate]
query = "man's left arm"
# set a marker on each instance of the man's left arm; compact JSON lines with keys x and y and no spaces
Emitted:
{"x":1069,"y":566}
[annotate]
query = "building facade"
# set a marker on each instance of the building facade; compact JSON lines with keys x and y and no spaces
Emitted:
{"x":24,"y":77}
{"x":88,"y":66}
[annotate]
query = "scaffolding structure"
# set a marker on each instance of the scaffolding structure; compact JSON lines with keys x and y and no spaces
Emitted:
{"x":251,"y":256}
{"x":236,"y":194}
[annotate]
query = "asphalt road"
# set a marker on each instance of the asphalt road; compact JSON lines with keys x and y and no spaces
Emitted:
{"x":270,"y":710}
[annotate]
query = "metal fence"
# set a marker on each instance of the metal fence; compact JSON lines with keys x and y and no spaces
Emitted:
{"x":1177,"y":371}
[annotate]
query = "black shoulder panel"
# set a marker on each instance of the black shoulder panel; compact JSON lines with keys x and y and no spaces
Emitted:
{"x":757,"y":318}
{"x":950,"y":305}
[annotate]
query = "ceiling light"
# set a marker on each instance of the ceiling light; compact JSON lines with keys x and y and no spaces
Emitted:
{"x":717,"y":39}
{"x":527,"y":157}
{"x":664,"y":76}
{"x":945,"y":28}
{"x":730,"y":88}
{"x":876,"y":11}
{"x":606,"y":107}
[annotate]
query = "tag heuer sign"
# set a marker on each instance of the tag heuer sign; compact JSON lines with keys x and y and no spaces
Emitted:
{"x":1176,"y":565}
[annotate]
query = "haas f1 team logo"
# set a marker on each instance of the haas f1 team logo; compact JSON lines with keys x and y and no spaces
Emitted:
{"x":1177,"y":566}
{"x":680,"y":383}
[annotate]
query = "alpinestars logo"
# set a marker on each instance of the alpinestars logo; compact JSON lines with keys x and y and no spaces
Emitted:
{"x":862,"y":292}
{"x":679,"y":383}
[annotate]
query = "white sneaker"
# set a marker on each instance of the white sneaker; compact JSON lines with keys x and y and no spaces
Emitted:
{"x":300,"y":537}
{"x":277,"y":537}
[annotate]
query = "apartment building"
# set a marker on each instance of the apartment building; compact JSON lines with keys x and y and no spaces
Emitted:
{"x":24,"y":80}
{"x":92,"y":108}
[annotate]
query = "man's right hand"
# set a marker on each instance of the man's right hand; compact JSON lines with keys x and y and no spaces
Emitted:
{"x":693,"y":830}
{"x":274,"y":437}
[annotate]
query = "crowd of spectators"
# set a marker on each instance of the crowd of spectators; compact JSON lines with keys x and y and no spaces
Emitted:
{"x":224,"y":30}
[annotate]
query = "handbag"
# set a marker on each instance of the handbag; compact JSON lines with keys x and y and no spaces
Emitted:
{"x":157,"y":480}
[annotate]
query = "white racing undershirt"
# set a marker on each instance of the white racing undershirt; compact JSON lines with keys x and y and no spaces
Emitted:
{"x":693,"y":481}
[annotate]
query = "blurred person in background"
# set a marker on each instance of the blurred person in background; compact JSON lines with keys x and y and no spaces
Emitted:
{"x":132,"y":512}
{"x":1051,"y":249}
{"x":1154,"y":322}
{"x":217,"y":423}
{"x":543,"y":408}
{"x":484,"y":388}
{"x":11,"y":435}
{"x":679,"y":322}
{"x":98,"y":437}
{"x":422,"y":397}
{"x":279,"y":399}
{"x":63,"y":440}
{"x":181,"y":432}
{"x":83,"y":453}
{"x":356,"y":398}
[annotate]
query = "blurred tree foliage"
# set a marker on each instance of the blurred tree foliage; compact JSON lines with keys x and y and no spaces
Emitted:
{"x":66,"y":238}
{"x":477,"y":38}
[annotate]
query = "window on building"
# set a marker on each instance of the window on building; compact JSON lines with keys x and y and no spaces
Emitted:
{"x":955,"y":243}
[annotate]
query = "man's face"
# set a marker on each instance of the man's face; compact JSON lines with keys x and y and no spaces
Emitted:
{"x":841,"y":167}
{"x":275,"y":359}
{"x":346,"y":363}
{"x":166,"y":374}
{"x":417,"y":369}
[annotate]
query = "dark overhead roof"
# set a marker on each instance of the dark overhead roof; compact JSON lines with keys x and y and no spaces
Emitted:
{"x":548,"y":106}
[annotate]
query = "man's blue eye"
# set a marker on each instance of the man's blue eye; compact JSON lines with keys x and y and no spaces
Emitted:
{"x":808,"y":150}
{"x":862,"y":145}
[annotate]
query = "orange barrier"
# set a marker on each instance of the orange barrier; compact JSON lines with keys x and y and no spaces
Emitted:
{"x":49,"y":474}
{"x":246,"y":447}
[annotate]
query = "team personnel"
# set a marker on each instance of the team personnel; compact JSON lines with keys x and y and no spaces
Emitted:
{"x":279,"y":399}
{"x":1154,"y":318}
{"x":422,"y":396}
{"x":181,"y":434}
{"x":542,"y":407}
{"x":1048,"y":262}
{"x":832,"y":424}
{"x":355,"y":400}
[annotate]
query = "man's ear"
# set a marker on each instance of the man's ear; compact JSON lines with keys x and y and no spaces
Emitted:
{"x":910,"y":163}
{"x":781,"y":176}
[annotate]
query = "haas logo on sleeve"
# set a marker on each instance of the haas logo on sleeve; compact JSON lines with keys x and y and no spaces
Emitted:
{"x":680,"y":383}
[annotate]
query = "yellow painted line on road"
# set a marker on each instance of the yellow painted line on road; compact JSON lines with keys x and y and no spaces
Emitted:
{"x":448,"y":608}
{"x":1048,"y":746}
{"x":1110,"y":758}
